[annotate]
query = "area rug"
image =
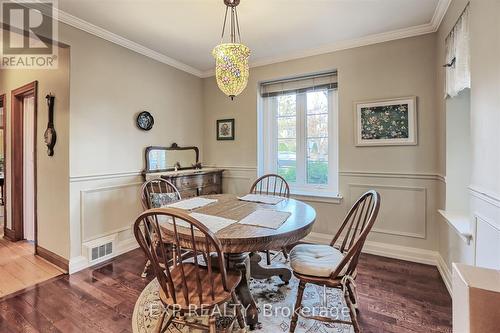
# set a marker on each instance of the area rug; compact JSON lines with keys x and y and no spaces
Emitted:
{"x":275,"y":301}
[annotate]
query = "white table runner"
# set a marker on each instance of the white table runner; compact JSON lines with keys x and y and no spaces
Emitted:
{"x":260,"y":198}
{"x":266,"y":218}
{"x":192,"y":203}
{"x":213,"y":223}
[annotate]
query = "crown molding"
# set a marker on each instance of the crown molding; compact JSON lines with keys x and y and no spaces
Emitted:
{"x":414,"y":31}
{"x":418,"y":30}
{"x":97,"y":31}
{"x":343,"y":45}
{"x":439,"y":13}
{"x":126,"y":43}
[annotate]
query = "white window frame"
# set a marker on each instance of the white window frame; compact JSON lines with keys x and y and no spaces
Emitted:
{"x":267,"y":134}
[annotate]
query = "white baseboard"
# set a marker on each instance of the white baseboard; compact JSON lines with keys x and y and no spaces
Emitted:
{"x":81,"y":262}
{"x":445,"y":273}
{"x":126,"y":246}
{"x":77,"y":264}
{"x":406,"y":253}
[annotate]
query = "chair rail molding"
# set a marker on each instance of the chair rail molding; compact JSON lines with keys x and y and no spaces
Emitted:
{"x":400,"y":175}
{"x":484,"y":195}
{"x":352,"y":173}
{"x":103,"y":176}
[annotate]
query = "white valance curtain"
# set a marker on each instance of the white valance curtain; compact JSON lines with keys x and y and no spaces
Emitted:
{"x":458,"y":56}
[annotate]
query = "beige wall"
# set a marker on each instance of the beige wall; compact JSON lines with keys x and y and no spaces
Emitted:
{"x":407,"y":176}
{"x":110,"y":85}
{"x":52,"y":172}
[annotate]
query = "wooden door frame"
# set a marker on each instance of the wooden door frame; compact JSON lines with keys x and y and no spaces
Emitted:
{"x":17,"y":188}
{"x":3,"y":97}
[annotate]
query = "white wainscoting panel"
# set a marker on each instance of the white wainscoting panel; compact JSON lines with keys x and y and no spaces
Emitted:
{"x":487,"y":244}
{"x":103,"y":205}
{"x":403,"y":211}
{"x":108,"y":210}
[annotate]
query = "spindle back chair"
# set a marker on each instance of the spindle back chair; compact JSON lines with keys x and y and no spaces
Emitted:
{"x":157,"y":186}
{"x":349,"y":240}
{"x":150,"y":188}
{"x":197,"y":285}
{"x":271,"y":184}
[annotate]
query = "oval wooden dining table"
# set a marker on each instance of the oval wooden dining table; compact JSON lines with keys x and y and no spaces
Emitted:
{"x":241,"y":242}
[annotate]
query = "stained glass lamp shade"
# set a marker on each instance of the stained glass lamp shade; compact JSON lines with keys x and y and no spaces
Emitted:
{"x":231,"y":67}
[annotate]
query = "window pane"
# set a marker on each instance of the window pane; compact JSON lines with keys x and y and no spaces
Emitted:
{"x":317,"y":172}
{"x":317,"y":126}
{"x":317,"y":161}
{"x":317,"y":137}
{"x":317,"y":102}
{"x":287,"y":128}
{"x":287,"y":159}
{"x":287,"y":105}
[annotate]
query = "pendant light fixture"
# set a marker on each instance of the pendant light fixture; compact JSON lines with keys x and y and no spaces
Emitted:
{"x":231,"y":59}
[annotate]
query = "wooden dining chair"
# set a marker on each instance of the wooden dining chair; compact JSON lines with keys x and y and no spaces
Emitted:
{"x":272,"y":184}
{"x":157,"y":193}
{"x":193,"y":287}
{"x":334,"y":265}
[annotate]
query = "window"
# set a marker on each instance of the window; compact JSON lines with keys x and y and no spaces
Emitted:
{"x":458,"y":56}
{"x":298,"y":133}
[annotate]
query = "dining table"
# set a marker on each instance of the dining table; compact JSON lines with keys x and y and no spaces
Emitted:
{"x":241,"y":243}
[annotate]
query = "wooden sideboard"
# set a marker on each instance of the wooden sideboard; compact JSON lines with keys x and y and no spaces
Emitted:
{"x":192,"y":183}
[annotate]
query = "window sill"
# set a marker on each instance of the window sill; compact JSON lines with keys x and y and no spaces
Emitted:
{"x":460,"y":222}
{"x":323,"y":197}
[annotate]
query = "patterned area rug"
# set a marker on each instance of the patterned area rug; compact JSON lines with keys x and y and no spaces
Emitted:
{"x":275,"y":301}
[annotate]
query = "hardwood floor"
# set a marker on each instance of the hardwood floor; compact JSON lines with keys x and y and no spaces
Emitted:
{"x":20,"y":268}
{"x":395,"y":296}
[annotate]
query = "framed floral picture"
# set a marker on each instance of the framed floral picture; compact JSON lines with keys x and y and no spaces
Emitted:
{"x":386,"y":122}
{"x":225,"y":129}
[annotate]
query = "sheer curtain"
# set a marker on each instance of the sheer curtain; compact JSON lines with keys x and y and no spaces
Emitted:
{"x":458,"y":54}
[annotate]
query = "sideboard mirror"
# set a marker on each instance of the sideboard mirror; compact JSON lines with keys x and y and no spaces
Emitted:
{"x":159,"y":159}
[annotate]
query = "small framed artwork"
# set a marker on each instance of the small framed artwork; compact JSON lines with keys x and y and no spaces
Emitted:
{"x":225,"y":129}
{"x":387,"y":122}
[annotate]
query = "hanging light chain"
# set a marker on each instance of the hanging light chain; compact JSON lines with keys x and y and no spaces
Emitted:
{"x":224,"y":26}
{"x":234,"y":25}
{"x":237,"y":24}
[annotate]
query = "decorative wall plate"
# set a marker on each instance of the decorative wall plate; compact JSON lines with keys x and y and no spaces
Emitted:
{"x":145,"y":121}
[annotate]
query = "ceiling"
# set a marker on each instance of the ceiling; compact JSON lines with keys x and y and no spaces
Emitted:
{"x":182,"y":33}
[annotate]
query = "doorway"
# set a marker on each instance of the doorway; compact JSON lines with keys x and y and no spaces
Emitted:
{"x":3,"y":211}
{"x":21,"y":204}
{"x":20,"y":267}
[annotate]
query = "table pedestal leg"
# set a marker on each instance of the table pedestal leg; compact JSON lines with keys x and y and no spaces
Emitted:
{"x":240,"y":261}
{"x":259,"y":272}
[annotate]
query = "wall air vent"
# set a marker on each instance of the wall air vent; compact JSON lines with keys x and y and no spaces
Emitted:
{"x":101,"y":251}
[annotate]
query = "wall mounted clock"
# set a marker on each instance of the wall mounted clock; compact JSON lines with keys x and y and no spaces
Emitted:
{"x":145,"y":121}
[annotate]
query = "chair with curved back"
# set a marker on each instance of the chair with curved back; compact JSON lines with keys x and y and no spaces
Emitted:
{"x":334,"y":265}
{"x":271,"y":184}
{"x":187,"y":288}
{"x":156,"y":193}
{"x":157,"y":187}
